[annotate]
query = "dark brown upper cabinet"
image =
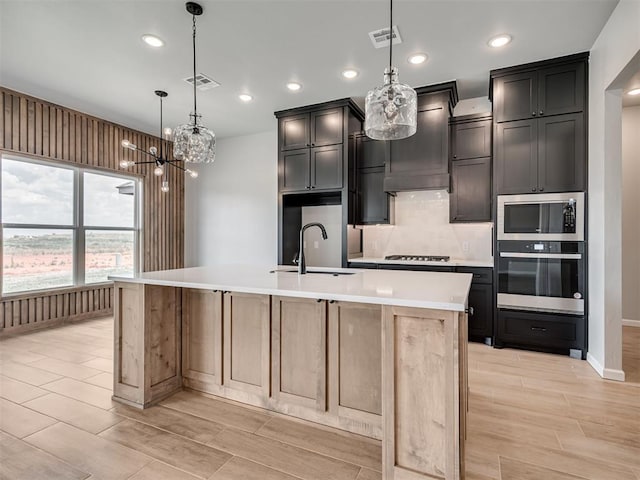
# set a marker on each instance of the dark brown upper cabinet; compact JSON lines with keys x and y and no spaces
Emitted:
{"x":313,"y":153}
{"x":543,"y":150}
{"x":421,"y":162}
{"x":539,"y":92}
{"x":315,"y":129}
{"x":470,"y":195}
{"x":471,"y":136}
{"x":373,"y":203}
{"x":541,"y":155}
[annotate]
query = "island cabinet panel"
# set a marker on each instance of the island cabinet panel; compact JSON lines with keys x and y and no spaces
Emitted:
{"x":148,"y":343}
{"x":299,"y":348}
{"x":202,"y":336}
{"x":422,"y":378}
{"x":355,"y":361}
{"x":129,"y":340}
{"x":246,"y":349}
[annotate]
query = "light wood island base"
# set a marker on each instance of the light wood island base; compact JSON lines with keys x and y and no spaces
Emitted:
{"x":398,"y":374}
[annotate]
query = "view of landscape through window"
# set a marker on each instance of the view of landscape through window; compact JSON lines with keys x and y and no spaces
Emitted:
{"x":41,"y":243}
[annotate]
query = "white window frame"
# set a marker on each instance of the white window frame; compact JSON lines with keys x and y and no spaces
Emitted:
{"x":78,"y":228}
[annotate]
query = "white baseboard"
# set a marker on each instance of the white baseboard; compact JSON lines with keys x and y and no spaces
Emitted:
{"x":631,"y":323}
{"x":595,"y":364}
{"x":607,"y":373}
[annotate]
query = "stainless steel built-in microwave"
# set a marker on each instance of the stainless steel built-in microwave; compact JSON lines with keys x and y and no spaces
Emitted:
{"x":538,"y":217}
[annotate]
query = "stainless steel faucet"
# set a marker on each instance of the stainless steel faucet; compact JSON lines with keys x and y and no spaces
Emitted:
{"x":302,"y":266}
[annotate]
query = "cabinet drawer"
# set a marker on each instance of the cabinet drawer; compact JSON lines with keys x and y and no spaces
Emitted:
{"x":540,"y":329}
{"x":480,"y":275}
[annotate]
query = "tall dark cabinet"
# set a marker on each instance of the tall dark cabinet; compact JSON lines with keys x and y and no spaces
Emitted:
{"x":470,"y":158}
{"x":316,"y":166}
{"x":539,"y":113}
{"x":539,"y":147}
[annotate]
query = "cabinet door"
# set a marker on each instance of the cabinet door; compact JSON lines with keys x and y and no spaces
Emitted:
{"x":561,"y":89}
{"x":481,"y":310}
{"x":355,"y":360}
{"x":246,"y":334}
{"x":421,"y":161}
{"x":470,"y":199}
{"x":515,"y":97}
{"x":201,"y":338}
{"x":299,"y":351}
{"x":294,"y":132}
{"x":326,"y":127}
{"x":471,"y":140}
{"x":326,"y":167}
{"x":373,"y":200}
{"x":370,"y":153}
{"x":293,"y":170}
{"x":516,"y":157}
{"x":561,"y":153}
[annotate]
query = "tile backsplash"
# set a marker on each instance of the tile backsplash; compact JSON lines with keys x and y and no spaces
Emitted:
{"x":422,"y":228}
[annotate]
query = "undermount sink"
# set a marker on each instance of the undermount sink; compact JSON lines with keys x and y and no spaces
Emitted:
{"x":323,"y":272}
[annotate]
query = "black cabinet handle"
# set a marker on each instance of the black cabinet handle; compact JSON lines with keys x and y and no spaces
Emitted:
{"x":538,"y":329}
{"x":332,"y":301}
{"x":307,"y":187}
{"x":313,"y":144}
{"x":455,"y":156}
{"x":313,"y":186}
{"x":533,"y":189}
{"x":541,"y":189}
{"x":471,"y":311}
{"x":319,"y":300}
{"x":533,"y":113}
{"x":541,"y":112}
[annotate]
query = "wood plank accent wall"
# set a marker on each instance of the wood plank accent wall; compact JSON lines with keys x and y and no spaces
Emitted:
{"x":34,"y":128}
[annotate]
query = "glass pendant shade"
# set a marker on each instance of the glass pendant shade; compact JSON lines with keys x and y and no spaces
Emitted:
{"x":391,"y":111}
{"x":194,"y":143}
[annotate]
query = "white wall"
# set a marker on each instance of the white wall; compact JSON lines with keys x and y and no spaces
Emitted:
{"x":231,"y":213}
{"x":422,"y":228}
{"x":614,"y":48}
{"x":631,"y":213}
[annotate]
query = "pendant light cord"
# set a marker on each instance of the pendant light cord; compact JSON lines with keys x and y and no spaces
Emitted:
{"x":161,"y":139}
{"x":390,"y":36}
{"x":195,"y":110}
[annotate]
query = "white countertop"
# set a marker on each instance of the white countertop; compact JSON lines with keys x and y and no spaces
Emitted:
{"x":436,"y":290}
{"x":451,"y":263}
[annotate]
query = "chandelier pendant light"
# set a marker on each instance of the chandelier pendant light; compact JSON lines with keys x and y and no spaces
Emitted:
{"x":193,"y":142}
{"x":160,"y":160}
{"x":391,"y":110}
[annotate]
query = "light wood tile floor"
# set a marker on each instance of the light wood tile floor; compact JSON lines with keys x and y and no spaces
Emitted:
{"x":532,"y":417}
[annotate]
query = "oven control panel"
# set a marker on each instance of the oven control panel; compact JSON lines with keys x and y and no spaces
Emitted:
{"x":540,"y":247}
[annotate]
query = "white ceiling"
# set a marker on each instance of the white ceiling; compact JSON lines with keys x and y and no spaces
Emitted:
{"x":88,"y":55}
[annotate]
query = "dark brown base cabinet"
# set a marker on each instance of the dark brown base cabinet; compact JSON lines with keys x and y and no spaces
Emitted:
{"x":481,"y":296}
{"x":553,"y":333}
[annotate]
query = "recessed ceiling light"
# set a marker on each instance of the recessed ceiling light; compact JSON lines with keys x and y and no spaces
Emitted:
{"x":635,"y":91}
{"x":245,"y":97}
{"x":350,"y":73}
{"x":294,"y":86}
{"x":500,"y":40}
{"x":417,"y":58}
{"x":152,"y":40}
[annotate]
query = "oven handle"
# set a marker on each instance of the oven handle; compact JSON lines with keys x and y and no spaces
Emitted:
{"x":561,"y":256}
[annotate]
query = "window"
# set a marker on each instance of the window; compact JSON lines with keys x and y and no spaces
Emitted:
{"x":65,"y":226}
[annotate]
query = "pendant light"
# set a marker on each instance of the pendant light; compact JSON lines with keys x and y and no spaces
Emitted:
{"x":391,"y":111}
{"x":159,"y":160}
{"x":192,"y":141}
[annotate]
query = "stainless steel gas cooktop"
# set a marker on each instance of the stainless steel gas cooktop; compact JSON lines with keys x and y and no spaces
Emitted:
{"x":419,"y":258}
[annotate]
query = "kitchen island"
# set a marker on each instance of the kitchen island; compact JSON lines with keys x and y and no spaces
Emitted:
{"x":379,"y":353}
